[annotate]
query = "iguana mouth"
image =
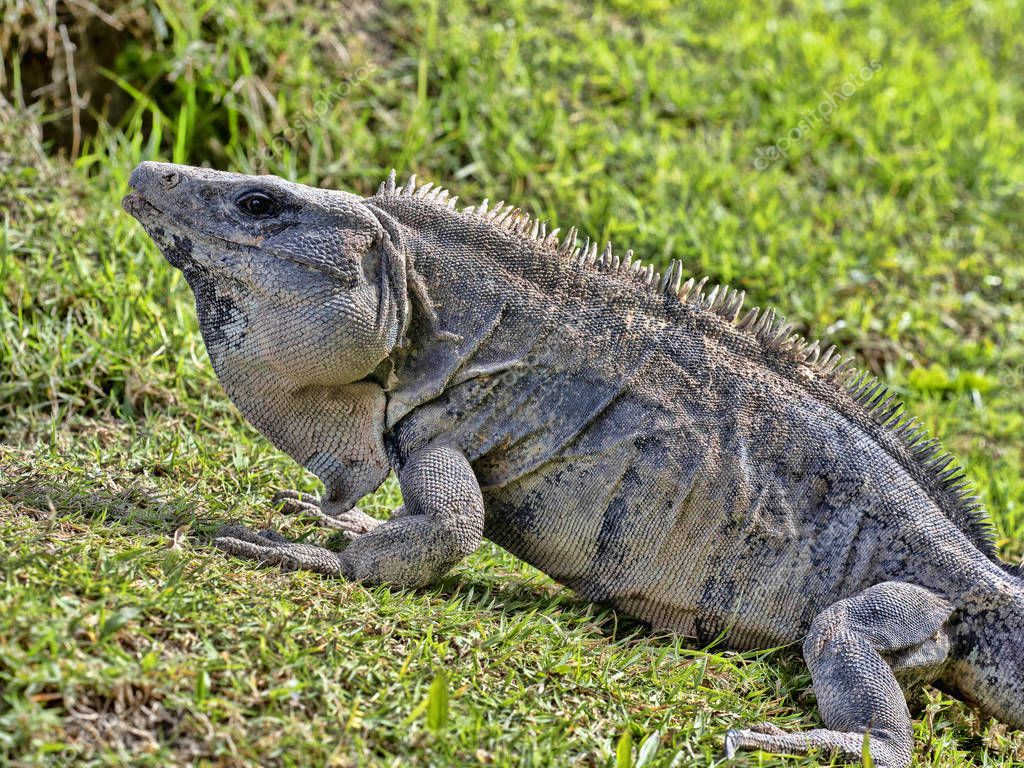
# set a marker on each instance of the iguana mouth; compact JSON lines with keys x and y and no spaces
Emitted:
{"x":145,"y":212}
{"x":177,"y":240}
{"x":138,"y":206}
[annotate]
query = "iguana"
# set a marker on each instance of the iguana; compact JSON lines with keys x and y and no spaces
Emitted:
{"x":638,"y":438}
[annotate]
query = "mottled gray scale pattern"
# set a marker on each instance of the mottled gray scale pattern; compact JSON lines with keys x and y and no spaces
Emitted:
{"x":641,"y":439}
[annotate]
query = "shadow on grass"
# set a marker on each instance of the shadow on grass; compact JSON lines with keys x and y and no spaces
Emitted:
{"x":133,"y":506}
{"x":138,"y":509}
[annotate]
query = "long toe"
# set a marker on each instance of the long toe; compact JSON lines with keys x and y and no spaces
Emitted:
{"x":352,"y":523}
{"x":849,"y":746}
{"x":288,"y":494}
{"x":244,"y":548}
{"x":297,"y":503}
{"x":239,"y":532}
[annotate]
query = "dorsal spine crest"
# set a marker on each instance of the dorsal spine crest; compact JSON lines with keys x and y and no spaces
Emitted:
{"x":936,"y":469}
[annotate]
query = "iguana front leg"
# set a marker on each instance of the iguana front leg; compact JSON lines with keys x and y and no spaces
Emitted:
{"x":443,"y":523}
{"x":851,"y":650}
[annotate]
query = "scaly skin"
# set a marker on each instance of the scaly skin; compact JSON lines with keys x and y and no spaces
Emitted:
{"x":633,"y":438}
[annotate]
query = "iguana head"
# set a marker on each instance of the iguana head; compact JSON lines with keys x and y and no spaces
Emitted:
{"x":303,"y":281}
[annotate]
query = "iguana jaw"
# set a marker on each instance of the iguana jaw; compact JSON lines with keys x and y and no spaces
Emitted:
{"x":176,"y":238}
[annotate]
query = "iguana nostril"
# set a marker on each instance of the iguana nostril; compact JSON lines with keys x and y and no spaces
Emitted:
{"x":170,"y":179}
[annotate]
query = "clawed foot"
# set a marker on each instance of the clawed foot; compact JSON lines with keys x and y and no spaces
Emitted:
{"x":271,"y":547}
{"x":351,"y":523}
{"x":770,"y":738}
{"x":749,"y":738}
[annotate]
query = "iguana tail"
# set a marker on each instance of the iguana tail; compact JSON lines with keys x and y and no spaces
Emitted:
{"x":987,"y":647}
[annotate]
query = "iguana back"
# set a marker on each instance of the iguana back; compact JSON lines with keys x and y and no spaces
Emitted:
{"x":654,"y":447}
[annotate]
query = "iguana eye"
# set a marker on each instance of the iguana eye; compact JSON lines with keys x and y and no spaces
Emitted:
{"x":257,"y":204}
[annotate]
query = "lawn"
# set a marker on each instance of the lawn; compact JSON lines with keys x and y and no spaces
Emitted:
{"x":857,"y":166}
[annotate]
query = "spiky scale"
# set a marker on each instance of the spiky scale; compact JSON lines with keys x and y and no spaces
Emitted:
{"x":749,"y":320}
{"x":722,"y":297}
{"x":668,"y":278}
{"x":845,"y":371}
{"x":885,"y":400}
{"x":569,"y":241}
{"x":733,"y":307}
{"x":812,"y":354}
{"x":677,"y":279}
{"x":952,"y":474}
{"x":685,"y":289}
{"x":780,"y":334}
{"x":696,"y":296}
{"x":765,"y":323}
{"x":711,"y":298}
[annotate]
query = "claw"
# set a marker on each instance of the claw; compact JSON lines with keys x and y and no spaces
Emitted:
{"x":352,"y":523}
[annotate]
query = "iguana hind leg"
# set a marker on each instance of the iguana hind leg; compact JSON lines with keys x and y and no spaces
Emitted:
{"x":442,"y":523}
{"x":846,"y":651}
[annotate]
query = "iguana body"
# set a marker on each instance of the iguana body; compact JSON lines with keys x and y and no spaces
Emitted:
{"x":640,"y":441}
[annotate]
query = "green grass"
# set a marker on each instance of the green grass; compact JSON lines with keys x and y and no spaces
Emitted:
{"x":894,"y":228}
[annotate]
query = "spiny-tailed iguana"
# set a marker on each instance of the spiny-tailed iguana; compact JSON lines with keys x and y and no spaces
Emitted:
{"x":636,"y":437}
